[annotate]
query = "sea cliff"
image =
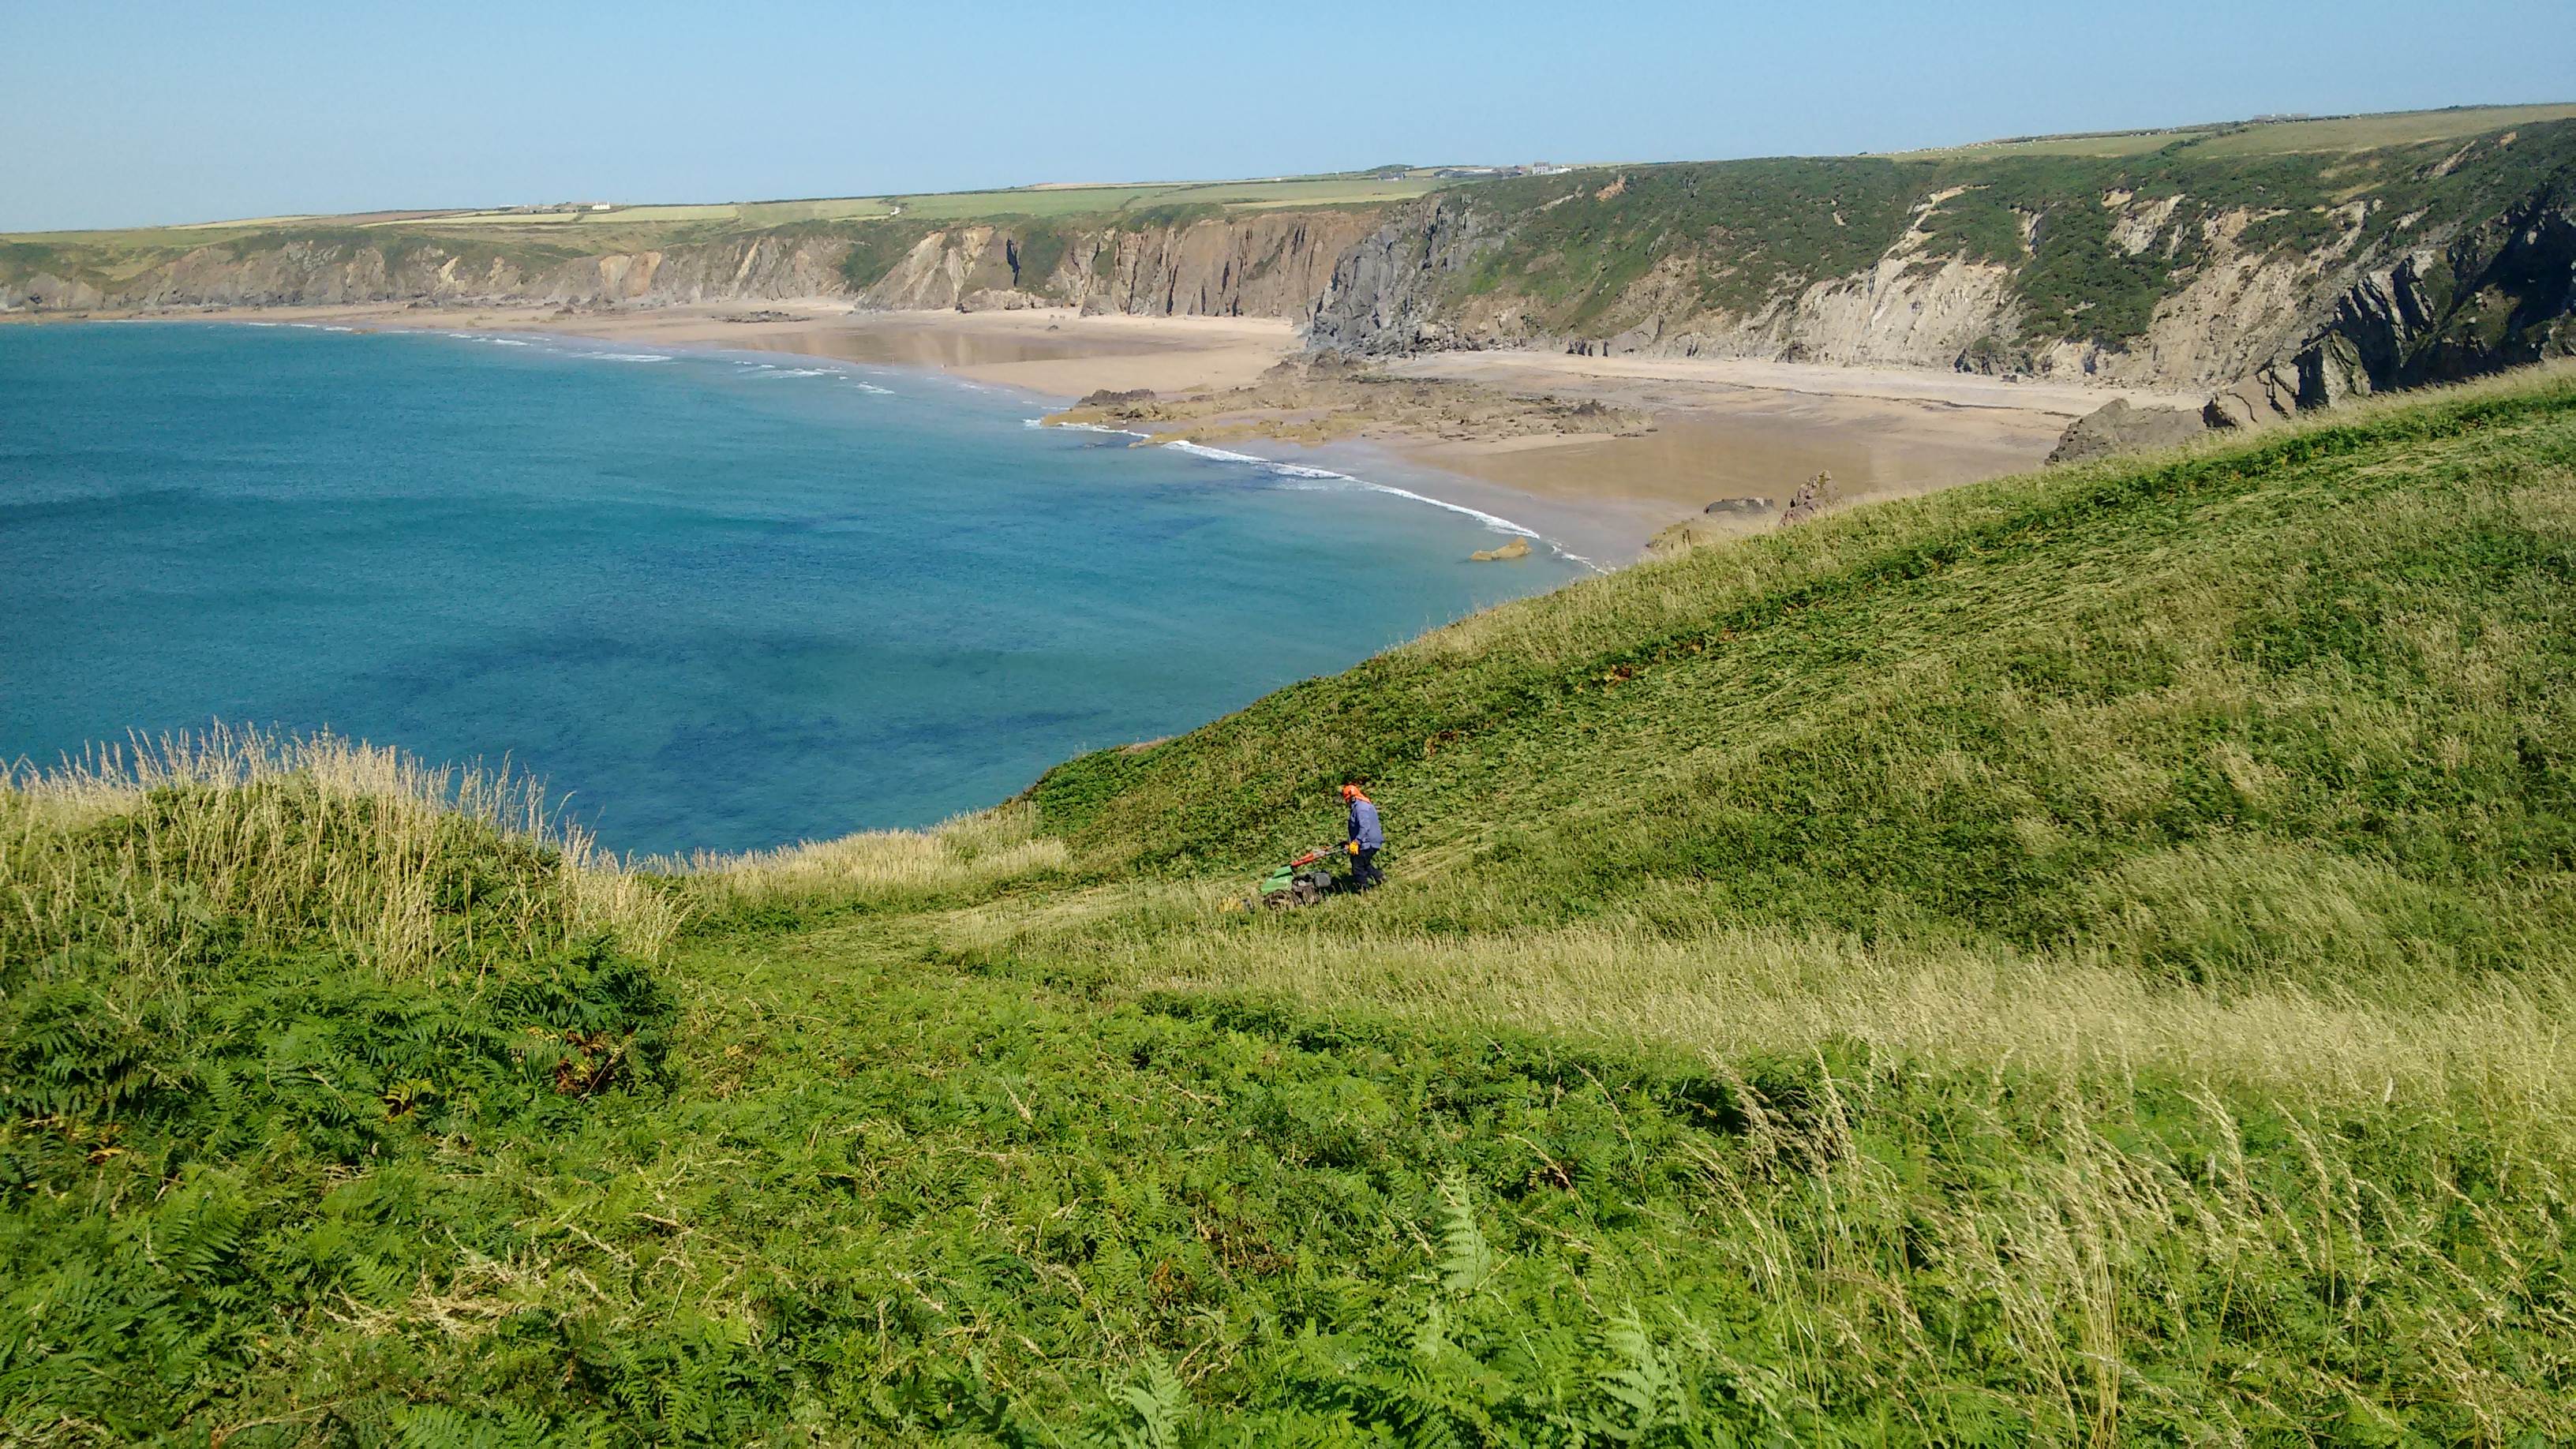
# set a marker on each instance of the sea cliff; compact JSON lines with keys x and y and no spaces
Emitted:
{"x":1268,"y":264}
{"x":2278,"y":280}
{"x":2273,"y":267}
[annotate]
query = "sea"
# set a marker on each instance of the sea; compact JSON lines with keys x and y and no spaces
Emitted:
{"x":715,"y":601}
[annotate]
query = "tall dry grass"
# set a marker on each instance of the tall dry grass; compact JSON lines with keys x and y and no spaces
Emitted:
{"x":2119,"y":1278}
{"x":1730,"y":993}
{"x":2127,"y":1160}
{"x":875,"y":867}
{"x":152,"y":849}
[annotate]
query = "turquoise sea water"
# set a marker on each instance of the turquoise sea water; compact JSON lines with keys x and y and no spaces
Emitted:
{"x":725,"y":601}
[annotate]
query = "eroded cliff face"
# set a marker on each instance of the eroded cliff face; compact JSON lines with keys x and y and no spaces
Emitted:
{"x":1389,"y":292}
{"x":1397,"y":291}
{"x":334,"y":270}
{"x":2315,"y":324}
{"x":1261,"y":265}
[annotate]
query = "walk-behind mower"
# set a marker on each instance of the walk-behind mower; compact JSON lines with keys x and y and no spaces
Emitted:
{"x":1301,"y":882}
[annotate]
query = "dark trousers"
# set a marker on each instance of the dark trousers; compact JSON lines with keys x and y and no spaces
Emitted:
{"x":1364,"y":871}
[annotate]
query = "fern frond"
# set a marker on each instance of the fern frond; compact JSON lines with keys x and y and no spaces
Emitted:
{"x":1466,"y":1259}
{"x":1161,"y":1403}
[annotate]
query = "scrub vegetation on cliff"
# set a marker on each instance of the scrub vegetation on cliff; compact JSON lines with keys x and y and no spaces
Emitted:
{"x":2076,"y":958}
{"x":2094,"y":242}
{"x":2310,"y":261}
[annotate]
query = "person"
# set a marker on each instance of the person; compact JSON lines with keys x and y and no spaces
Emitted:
{"x":1367,"y":838}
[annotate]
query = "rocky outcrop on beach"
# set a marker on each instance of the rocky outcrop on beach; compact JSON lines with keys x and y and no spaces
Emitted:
{"x":2116,"y":428}
{"x":1810,"y":499}
{"x":1324,"y":397}
{"x":1676,"y":539}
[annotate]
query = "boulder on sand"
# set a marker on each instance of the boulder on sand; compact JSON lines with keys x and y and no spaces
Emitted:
{"x":2115,"y":428}
{"x":1811,"y":499}
{"x":1684,"y":536}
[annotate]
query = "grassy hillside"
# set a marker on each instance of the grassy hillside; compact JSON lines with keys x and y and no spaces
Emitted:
{"x":2077,"y":958}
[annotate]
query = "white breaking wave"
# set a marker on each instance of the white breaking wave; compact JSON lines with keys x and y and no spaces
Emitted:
{"x":799,"y":371}
{"x":625,"y":356}
{"x":1495,"y":522}
{"x":872,"y":387}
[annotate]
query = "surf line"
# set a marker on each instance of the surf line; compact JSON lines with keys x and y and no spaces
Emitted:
{"x":1296,"y":470}
{"x":1496,"y":522}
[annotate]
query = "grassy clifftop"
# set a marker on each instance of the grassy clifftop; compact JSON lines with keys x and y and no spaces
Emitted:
{"x":2075,"y":958}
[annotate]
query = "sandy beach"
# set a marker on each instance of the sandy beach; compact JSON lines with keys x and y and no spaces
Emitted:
{"x":1745,"y":429}
{"x":1055,"y":352}
{"x":1718,"y":429}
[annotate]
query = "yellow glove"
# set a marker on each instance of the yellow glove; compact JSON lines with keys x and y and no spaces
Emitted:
{"x":1352,"y":846}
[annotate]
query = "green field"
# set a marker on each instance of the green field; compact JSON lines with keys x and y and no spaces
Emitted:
{"x":2082,"y":957}
{"x":1106,"y":201}
{"x":2279,"y":138}
{"x":664,"y":224}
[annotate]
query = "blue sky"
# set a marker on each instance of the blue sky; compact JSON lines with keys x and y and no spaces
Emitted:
{"x":118,"y":114}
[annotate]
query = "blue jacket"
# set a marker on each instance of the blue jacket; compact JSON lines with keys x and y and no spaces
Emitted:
{"x":1364,"y":826}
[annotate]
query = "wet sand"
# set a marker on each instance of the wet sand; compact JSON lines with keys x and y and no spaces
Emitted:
{"x":1732,"y":429}
{"x":1058,"y":353}
{"x":1760,"y":444}
{"x":1676,"y":379}
{"x":1055,"y":352}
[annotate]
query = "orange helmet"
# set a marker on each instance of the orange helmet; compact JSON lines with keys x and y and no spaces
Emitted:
{"x":1352,"y":792}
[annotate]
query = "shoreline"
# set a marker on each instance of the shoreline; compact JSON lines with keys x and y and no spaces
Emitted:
{"x":1719,"y":429}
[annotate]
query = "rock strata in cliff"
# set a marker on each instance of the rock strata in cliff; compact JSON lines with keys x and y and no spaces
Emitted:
{"x":1268,"y":264}
{"x":341,"y":270}
{"x":2273,"y":282}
